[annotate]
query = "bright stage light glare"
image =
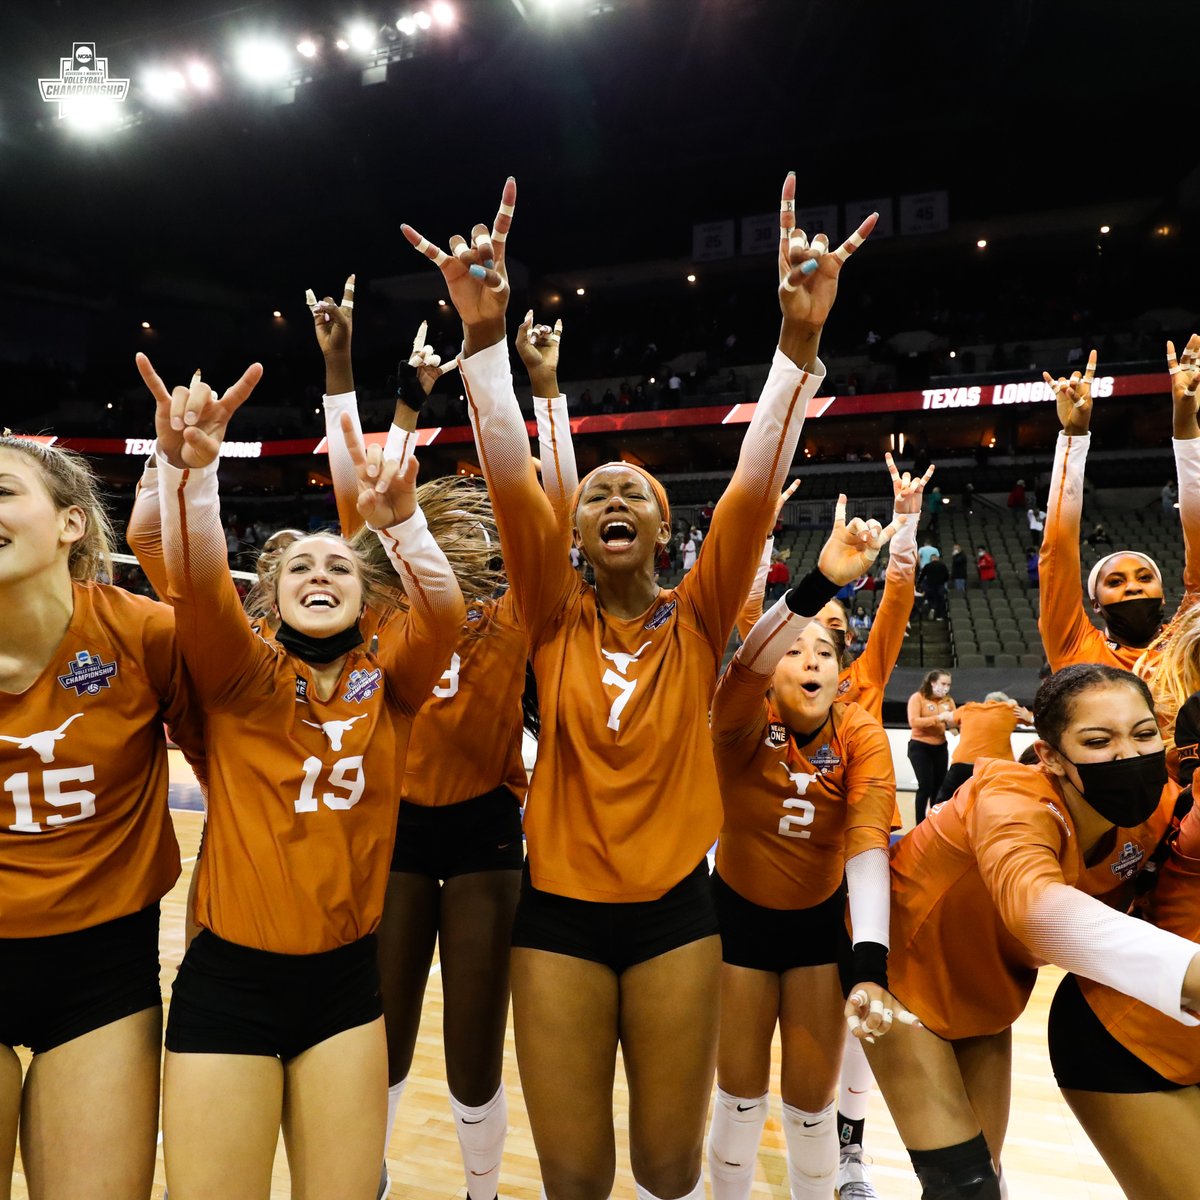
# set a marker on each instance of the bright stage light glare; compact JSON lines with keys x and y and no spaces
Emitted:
{"x":90,"y":114}
{"x":200,"y":76}
{"x":407,"y":26}
{"x":361,"y":37}
{"x":443,"y":14}
{"x":262,"y":61}
{"x":307,"y":47}
{"x":982,"y":243}
{"x":163,"y":84}
{"x":423,"y":19}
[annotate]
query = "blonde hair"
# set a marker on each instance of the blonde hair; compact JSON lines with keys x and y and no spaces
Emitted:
{"x":71,"y":483}
{"x":459,"y":515}
{"x":1175,"y":674}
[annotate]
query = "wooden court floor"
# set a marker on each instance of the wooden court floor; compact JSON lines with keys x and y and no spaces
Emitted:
{"x":1047,"y":1156}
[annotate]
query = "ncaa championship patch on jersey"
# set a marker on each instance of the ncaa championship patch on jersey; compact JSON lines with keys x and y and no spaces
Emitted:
{"x":844,"y":686}
{"x":1128,"y":861}
{"x":661,"y":616}
{"x":363,"y":684}
{"x":87,"y":672}
{"x":825,"y":760}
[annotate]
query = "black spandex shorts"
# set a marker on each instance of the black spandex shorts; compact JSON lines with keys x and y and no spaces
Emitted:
{"x":778,"y":939}
{"x":1086,"y":1057}
{"x":231,"y":999}
{"x":56,"y":988}
{"x":481,"y":834}
{"x":618,"y":935}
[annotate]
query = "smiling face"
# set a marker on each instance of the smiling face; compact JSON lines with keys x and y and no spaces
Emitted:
{"x":805,"y":682}
{"x":618,"y":524}
{"x":319,"y":588}
{"x":35,"y":536}
{"x":1127,"y":577}
{"x":1106,"y":722}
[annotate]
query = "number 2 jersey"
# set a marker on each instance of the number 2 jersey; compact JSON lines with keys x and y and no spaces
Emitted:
{"x":85,"y":833}
{"x":624,"y":799}
{"x":302,"y":797}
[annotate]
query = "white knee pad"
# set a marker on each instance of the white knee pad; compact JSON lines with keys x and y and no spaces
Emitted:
{"x":812,"y":1151}
{"x":481,"y":1132}
{"x":697,"y":1193}
{"x":733,"y":1138}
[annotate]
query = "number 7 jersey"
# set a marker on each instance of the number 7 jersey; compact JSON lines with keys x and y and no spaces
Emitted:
{"x":85,"y":833}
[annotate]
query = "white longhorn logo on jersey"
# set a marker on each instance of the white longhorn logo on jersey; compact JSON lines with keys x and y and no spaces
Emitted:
{"x":800,"y":778}
{"x":42,"y":744}
{"x":622,"y":661}
{"x":335,"y":730}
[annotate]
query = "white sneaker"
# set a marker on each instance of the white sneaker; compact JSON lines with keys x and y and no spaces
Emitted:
{"x":385,"y":1182}
{"x":853,"y":1181}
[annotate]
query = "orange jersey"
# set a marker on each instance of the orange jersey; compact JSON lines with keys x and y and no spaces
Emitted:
{"x":1067,"y":634}
{"x":624,"y":800}
{"x":85,"y":835}
{"x":303,"y":791}
{"x":467,"y":739}
{"x":795,"y":813}
{"x":923,"y":718}
{"x":1169,"y":1048}
{"x":985,"y":731}
{"x":964,"y":883}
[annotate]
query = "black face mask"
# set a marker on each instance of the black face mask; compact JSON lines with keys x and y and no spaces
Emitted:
{"x":319,"y":650}
{"x":1125,"y":791}
{"x":1134,"y":622}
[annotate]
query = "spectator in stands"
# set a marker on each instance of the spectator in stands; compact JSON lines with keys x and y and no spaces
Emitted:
{"x":968,"y":498}
{"x":690,"y":549}
{"x":1032,"y":568}
{"x":675,"y":387}
{"x":1098,"y":537}
{"x":586,"y":403}
{"x":930,"y":714}
{"x":860,"y":622}
{"x":778,"y":578}
{"x":1037,"y":521}
{"x":625,"y":397}
{"x":1016,"y":498}
{"x":986,"y":566}
{"x":1170,"y":498}
{"x":931,"y":583}
{"x":696,"y":536}
{"x":927,"y":551}
{"x":608,"y":402}
{"x":576,"y":558}
{"x":958,"y":568}
{"x":985,"y":731}
{"x":933,"y":508}
{"x":704,"y":520}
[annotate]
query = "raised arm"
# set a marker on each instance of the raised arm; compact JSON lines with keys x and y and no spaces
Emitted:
{"x":1185,"y":383}
{"x":808,"y":281}
{"x":413,"y":652}
{"x":211,"y":629}
{"x":401,"y":437}
{"x":753,"y":608}
{"x":144,"y":531}
{"x":539,"y":347}
{"x":1062,"y":622}
{"x":535,"y":542}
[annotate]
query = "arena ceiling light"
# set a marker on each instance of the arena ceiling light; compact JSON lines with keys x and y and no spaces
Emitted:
{"x":164,"y":85}
{"x":361,"y":37}
{"x":407,"y":25}
{"x":443,"y":14}
{"x":263,"y":61}
{"x":423,"y":19}
{"x":200,"y":75}
{"x":91,"y":115}
{"x":307,"y":48}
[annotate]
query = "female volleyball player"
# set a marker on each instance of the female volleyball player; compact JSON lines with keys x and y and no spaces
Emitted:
{"x":86,"y":841}
{"x":1125,"y":587}
{"x":808,"y":792}
{"x":1004,"y":877}
{"x":456,"y":867}
{"x":275,"y":1015}
{"x":985,"y":731}
{"x":931,"y":711}
{"x":615,"y":938}
{"x":1129,"y":1073}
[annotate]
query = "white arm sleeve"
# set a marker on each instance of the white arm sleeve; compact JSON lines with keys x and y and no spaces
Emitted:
{"x":400,"y":444}
{"x":428,"y":580}
{"x":869,"y":882}
{"x":560,"y":476}
{"x":1082,"y":935}
{"x":771,"y":638}
{"x":902,"y":550}
{"x":341,"y":469}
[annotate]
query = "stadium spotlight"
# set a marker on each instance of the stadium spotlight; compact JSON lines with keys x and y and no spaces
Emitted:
{"x":691,"y":279}
{"x":443,"y":14}
{"x":145,"y":324}
{"x":276,"y":314}
{"x":1106,"y":229}
{"x":200,"y":75}
{"x":90,"y":114}
{"x":580,"y":291}
{"x":953,"y":353}
{"x":423,"y":19}
{"x":342,"y":44}
{"x":307,"y":47}
{"x":982,"y":243}
{"x":441,"y":304}
{"x":262,"y":61}
{"x":361,"y":37}
{"x":109,"y":405}
{"x":163,"y":84}
{"x":407,"y":26}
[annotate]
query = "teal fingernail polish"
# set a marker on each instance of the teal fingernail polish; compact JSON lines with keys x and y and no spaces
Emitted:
{"x":491,"y":262}
{"x":477,"y":272}
{"x":807,"y":268}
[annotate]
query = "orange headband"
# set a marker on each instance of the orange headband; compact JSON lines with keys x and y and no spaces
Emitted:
{"x":660,"y":495}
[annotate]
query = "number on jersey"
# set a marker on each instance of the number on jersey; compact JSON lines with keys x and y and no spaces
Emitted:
{"x":793,"y":824}
{"x":55,"y":794}
{"x":449,"y":682}
{"x":346,"y":775}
